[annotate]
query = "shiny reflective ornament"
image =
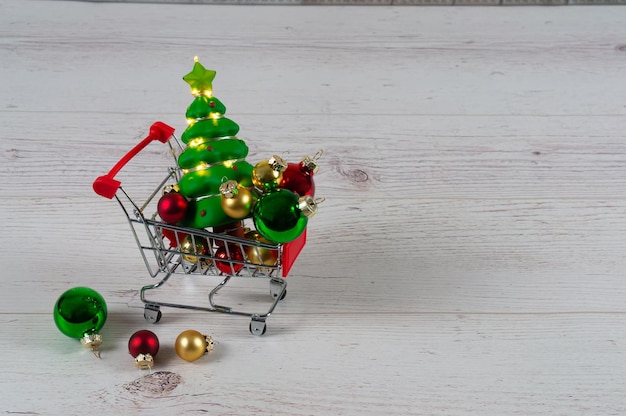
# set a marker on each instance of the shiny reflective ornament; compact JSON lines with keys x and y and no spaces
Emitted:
{"x":197,"y":248}
{"x":172,"y":207}
{"x":281,"y":215}
{"x":173,"y":236}
{"x":234,"y":229}
{"x":191,"y":345}
{"x":237,"y":201}
{"x":260,"y":255}
{"x":267,"y":174}
{"x":298,"y":177}
{"x":232,"y":259}
{"x":143,"y":345}
{"x":80,"y":313}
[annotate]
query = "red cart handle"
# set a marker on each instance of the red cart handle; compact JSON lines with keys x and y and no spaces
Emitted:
{"x":107,"y":185}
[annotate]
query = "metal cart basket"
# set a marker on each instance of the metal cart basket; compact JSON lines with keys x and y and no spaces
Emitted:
{"x":170,"y":249}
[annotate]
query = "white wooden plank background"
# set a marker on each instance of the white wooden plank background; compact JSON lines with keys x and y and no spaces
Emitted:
{"x":468,"y":259}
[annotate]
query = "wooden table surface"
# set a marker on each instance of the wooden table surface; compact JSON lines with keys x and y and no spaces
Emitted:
{"x":468,"y":257}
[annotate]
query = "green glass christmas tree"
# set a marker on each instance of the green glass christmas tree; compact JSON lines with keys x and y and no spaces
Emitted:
{"x":213,"y":154}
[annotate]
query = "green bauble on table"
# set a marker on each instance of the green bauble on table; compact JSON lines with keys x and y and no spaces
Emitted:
{"x":80,"y":313}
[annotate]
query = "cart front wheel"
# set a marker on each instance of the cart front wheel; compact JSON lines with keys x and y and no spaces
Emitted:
{"x":258,"y":328}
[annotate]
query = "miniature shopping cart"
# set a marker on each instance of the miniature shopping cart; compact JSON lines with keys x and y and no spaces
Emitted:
{"x":170,"y":249}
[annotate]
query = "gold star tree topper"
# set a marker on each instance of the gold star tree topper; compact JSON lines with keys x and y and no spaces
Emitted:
{"x":200,"y":79}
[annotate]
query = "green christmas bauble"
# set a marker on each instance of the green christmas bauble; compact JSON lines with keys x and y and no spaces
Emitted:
{"x":80,"y":312}
{"x":278,"y":217}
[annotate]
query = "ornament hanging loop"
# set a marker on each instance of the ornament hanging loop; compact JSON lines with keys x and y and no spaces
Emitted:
{"x":318,"y":155}
{"x":310,"y":162}
{"x":93,"y":342}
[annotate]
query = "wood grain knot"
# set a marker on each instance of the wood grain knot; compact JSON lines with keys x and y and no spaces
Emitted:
{"x":12,"y":154}
{"x":621,"y":48}
{"x":356,"y":175}
{"x":159,"y":383}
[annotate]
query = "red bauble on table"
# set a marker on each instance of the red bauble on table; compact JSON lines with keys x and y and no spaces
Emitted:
{"x":232,"y":259}
{"x":172,"y":207}
{"x":143,"y":345}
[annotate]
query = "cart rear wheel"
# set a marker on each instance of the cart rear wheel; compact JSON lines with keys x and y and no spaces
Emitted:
{"x":152,"y":313}
{"x":275,"y":295}
{"x":258,"y":328}
{"x":277,"y":286}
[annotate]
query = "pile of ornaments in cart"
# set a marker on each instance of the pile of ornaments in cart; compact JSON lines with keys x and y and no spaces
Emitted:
{"x":219,"y":189}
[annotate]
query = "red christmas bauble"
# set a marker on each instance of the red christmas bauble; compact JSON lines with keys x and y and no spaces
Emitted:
{"x":143,"y":342}
{"x":298,"y":178}
{"x":231,"y":252}
{"x":174,"y":237}
{"x":172,"y":207}
{"x":234,"y":229}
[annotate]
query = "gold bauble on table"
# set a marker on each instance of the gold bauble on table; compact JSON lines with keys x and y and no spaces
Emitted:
{"x":191,"y":345}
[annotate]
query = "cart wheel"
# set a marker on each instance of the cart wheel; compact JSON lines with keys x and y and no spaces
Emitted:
{"x":152,"y":313}
{"x":258,"y":328}
{"x":276,"y":288}
{"x":275,"y":294}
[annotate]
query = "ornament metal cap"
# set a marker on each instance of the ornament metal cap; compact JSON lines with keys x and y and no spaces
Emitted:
{"x":229,"y":189}
{"x":277,"y":163}
{"x":310,"y":162}
{"x":209,"y":343}
{"x":307,"y":205}
{"x":171,"y":188}
{"x":93,"y":342}
{"x":144,"y":361}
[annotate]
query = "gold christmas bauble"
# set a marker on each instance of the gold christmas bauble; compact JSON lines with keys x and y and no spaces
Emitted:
{"x":260,"y":255}
{"x":191,"y":345}
{"x":194,"y":245}
{"x":267,"y":174}
{"x":237,"y":201}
